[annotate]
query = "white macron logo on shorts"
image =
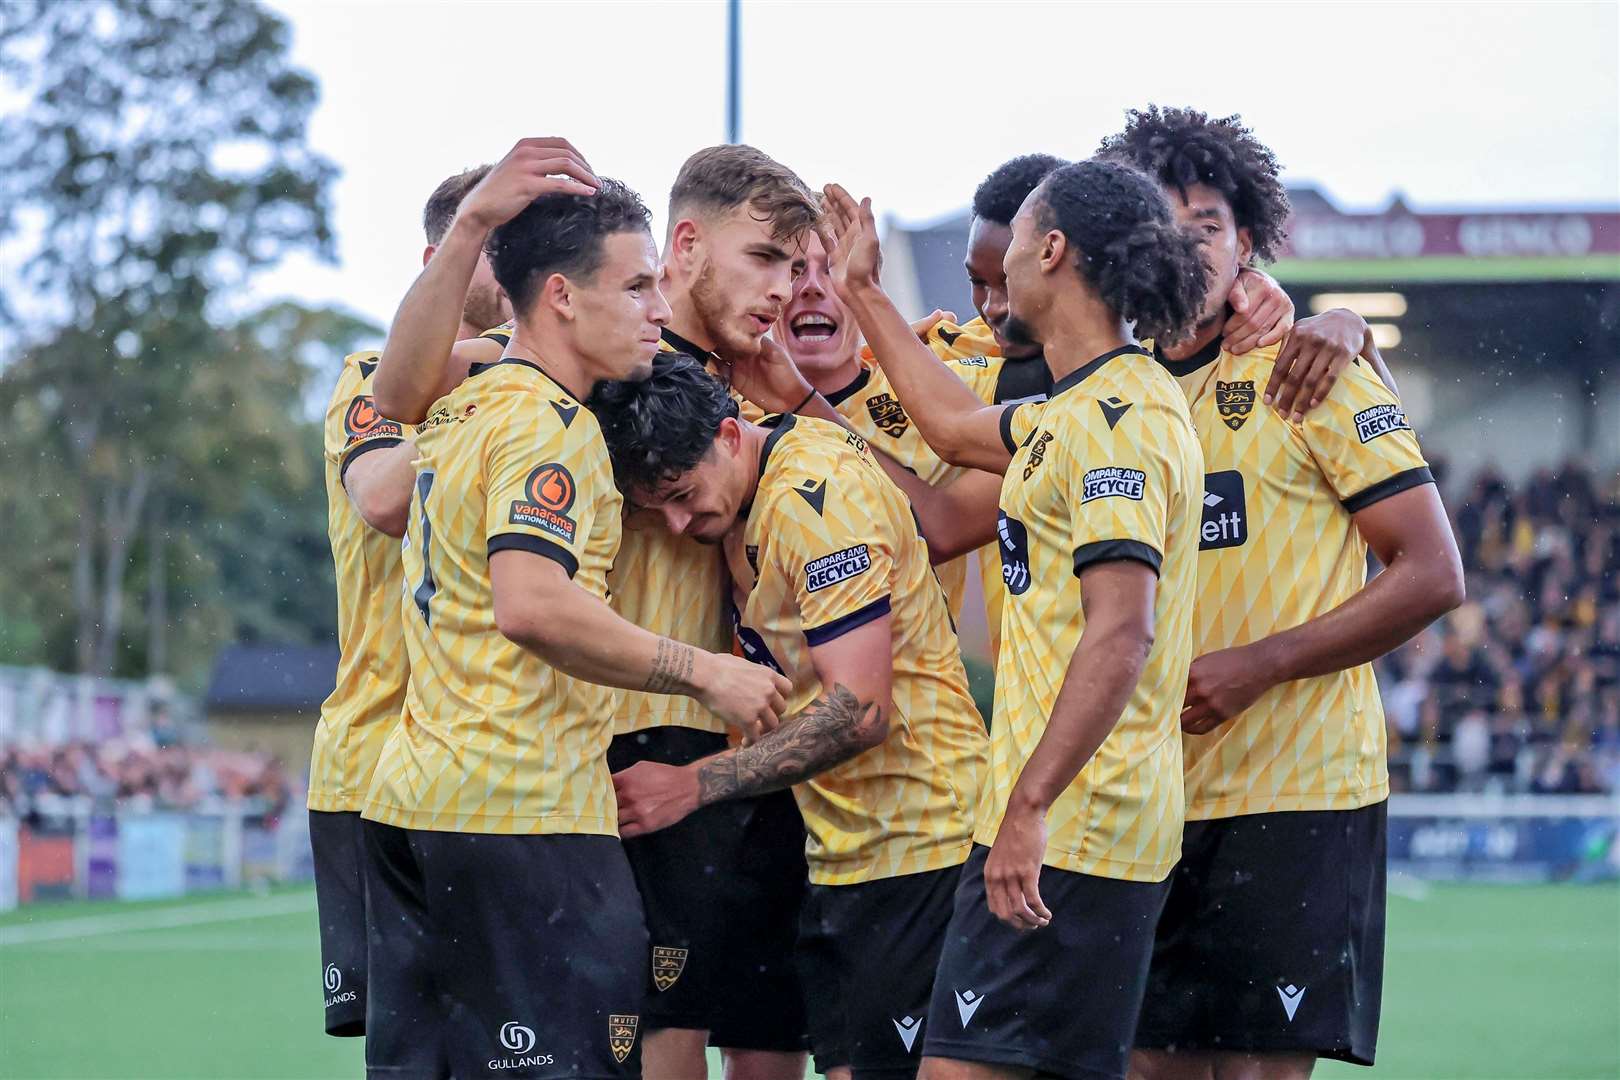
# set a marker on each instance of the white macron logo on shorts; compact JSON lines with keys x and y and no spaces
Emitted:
{"x":1291,"y":997}
{"x":907,"y":1029}
{"x":967,"y":1003}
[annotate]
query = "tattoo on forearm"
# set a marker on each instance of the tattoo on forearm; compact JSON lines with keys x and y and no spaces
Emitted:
{"x":826,"y":733}
{"x":672,"y":667}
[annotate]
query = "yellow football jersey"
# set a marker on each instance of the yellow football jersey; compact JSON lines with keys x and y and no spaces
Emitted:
{"x":869,"y":405}
{"x":492,"y":738}
{"x":669,"y":585}
{"x":676,"y":587}
{"x":831,"y":545}
{"x":1278,"y":548}
{"x":971,"y":351}
{"x":1108,"y":468}
{"x":357,"y":715}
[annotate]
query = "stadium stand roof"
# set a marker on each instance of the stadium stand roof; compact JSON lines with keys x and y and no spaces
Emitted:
{"x":271,"y":677}
{"x":1328,"y":245}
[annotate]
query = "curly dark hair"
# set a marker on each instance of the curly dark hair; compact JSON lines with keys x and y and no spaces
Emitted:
{"x":1181,"y":147}
{"x":1000,"y":194}
{"x":1128,"y":246}
{"x":561,"y":234}
{"x":661,"y":427}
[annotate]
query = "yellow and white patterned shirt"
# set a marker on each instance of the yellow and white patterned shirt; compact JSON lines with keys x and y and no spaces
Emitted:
{"x":972,"y":353}
{"x":1278,"y":548}
{"x":1108,"y":468}
{"x":832,"y":544}
{"x":357,"y":716}
{"x":668,"y":585}
{"x":493,"y":739}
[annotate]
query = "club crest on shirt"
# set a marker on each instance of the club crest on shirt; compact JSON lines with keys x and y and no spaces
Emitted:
{"x":1037,"y":454}
{"x":887,"y":414}
{"x":1380,"y":420}
{"x":622,"y":1034}
{"x":1234,"y":401}
{"x":667,"y":965}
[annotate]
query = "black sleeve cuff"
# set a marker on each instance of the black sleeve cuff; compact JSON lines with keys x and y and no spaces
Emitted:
{"x":1114,"y":550}
{"x":1394,"y":485}
{"x":1006,"y":428}
{"x":364,"y":448}
{"x":842,"y":625}
{"x":537,"y":546}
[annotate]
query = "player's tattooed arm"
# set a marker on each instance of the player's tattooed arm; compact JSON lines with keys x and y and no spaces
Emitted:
{"x":951,"y":418}
{"x":831,"y":730}
{"x":538,"y":607}
{"x":672,"y":668}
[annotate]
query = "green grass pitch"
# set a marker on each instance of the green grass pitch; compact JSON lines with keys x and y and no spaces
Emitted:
{"x":1482,"y":981}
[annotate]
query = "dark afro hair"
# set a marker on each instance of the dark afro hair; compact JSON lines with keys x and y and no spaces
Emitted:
{"x":1182,"y":147}
{"x":561,"y":234}
{"x":1127,"y":244}
{"x":660,"y":427}
{"x":1001,"y":193}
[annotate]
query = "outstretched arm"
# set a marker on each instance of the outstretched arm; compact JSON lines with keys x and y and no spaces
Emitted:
{"x":951,"y":418}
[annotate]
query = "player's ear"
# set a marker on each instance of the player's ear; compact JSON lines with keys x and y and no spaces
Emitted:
{"x":1245,"y":241}
{"x":685,"y":242}
{"x":427,"y":253}
{"x":729,"y":436}
{"x":557,"y":294}
{"x":1054,"y":245}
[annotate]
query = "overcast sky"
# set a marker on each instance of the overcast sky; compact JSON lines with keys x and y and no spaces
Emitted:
{"x":1478,"y":104}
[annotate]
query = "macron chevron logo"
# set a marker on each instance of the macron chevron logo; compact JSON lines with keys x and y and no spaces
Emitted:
{"x":1291,"y":996}
{"x":967,"y":1003}
{"x":907,"y":1029}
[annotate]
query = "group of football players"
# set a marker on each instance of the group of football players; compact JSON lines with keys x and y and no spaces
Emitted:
{"x":652,"y":731}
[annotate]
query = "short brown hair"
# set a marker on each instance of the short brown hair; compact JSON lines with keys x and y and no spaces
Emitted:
{"x":441,"y":205}
{"x":722,"y":178}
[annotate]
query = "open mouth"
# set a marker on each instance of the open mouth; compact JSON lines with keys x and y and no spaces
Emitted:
{"x":812,"y":326}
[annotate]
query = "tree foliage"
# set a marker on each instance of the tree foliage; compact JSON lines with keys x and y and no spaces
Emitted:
{"x":162,"y":466}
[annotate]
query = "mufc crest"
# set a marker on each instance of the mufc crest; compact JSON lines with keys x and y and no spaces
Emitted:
{"x":622,"y":1035}
{"x":1235,"y":401}
{"x":887,"y":414}
{"x":667,"y":963}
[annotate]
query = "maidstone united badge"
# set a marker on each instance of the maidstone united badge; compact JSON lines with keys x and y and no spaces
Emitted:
{"x":1235,"y":400}
{"x":622,"y":1035}
{"x":668,"y":963}
{"x":887,"y":414}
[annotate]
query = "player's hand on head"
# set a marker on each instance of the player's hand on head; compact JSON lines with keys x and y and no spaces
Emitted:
{"x":1012,"y":872}
{"x":770,"y":379}
{"x":1312,"y":359}
{"x":747,"y":696}
{"x":849,"y":233}
{"x":1220,"y":685}
{"x":1262,"y":313}
{"x":532,"y":168}
{"x":653,"y":796}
